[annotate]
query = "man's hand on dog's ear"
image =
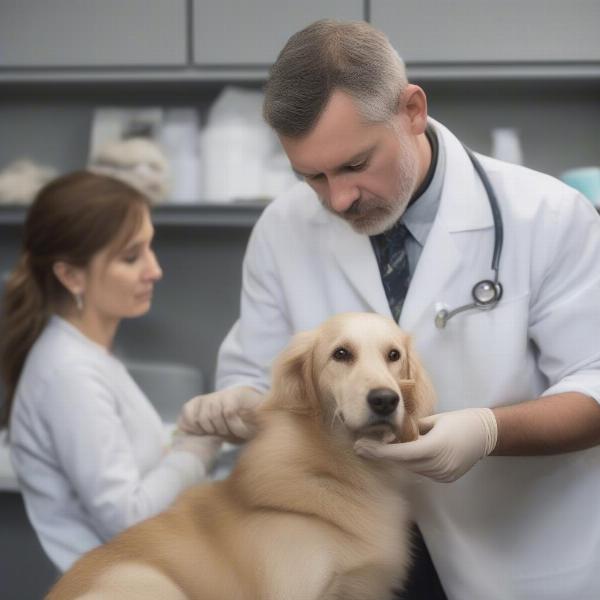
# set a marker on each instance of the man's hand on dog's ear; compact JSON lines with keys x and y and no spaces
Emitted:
{"x":228,"y":413}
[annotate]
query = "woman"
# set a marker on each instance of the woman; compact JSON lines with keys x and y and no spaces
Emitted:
{"x":87,"y":446}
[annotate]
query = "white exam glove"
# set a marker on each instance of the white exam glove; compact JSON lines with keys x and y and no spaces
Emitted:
{"x":205,"y":447}
{"x":226,"y":413}
{"x":452,"y":442}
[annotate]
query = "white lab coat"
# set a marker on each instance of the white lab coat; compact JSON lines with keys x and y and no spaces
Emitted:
{"x":89,"y":449}
{"x":512,"y":528}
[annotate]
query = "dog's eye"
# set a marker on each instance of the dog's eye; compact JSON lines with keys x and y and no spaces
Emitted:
{"x":341,"y":354}
{"x":394,"y":355}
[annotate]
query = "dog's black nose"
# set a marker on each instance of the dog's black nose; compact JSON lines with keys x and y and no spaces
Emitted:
{"x":383,"y":401}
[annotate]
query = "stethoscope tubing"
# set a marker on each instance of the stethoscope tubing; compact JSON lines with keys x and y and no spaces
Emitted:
{"x":494,"y":206}
{"x":444,"y":315}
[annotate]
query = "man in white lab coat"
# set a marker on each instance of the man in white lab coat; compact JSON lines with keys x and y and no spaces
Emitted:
{"x":508,"y":505}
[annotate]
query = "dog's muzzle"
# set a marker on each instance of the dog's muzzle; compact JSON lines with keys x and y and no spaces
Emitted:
{"x":381,"y":423}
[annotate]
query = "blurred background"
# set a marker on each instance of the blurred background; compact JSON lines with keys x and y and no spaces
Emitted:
{"x":169,"y":92}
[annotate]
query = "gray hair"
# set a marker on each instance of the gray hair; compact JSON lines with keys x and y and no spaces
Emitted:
{"x":330,"y":55}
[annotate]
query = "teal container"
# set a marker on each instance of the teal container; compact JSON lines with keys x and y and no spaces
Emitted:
{"x":586,"y":180}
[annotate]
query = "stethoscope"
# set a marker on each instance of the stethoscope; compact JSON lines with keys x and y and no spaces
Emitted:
{"x":486,"y":293}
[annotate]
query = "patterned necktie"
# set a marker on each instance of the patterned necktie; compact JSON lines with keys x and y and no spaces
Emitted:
{"x":393,"y":265}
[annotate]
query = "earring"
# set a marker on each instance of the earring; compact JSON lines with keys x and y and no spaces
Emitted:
{"x":79,"y":301}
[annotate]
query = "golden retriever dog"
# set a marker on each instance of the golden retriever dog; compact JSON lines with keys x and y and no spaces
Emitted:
{"x":301,"y":516}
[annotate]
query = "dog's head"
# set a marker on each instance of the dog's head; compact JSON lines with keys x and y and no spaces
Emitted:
{"x":358,"y":371}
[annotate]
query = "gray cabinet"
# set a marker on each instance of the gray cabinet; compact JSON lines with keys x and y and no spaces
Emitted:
{"x":479,"y":31}
{"x":230,"y":32}
{"x":25,"y":571}
{"x":92,"y":33}
{"x":483,"y":64}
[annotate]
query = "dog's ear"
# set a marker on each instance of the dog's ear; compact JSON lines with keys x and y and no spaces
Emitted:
{"x":422,"y":395}
{"x":410,"y":429}
{"x":293,"y":386}
{"x":417,"y":394}
{"x":417,"y":390}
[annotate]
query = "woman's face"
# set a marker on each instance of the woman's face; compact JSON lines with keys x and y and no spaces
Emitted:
{"x":120,"y":285}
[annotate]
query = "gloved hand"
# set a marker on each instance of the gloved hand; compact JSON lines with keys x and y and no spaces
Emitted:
{"x":450,"y":444}
{"x":227,"y":413}
{"x":205,"y":447}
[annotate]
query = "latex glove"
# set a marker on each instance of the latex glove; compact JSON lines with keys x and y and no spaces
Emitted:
{"x":452,"y":443}
{"x":227,"y":413}
{"x":205,"y":447}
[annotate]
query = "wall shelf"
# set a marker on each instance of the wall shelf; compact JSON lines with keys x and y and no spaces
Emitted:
{"x":583,"y":71}
{"x":235,"y":214}
{"x":138,"y":75}
{"x":206,"y":214}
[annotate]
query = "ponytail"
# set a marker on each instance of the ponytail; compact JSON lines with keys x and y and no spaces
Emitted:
{"x":22,"y":319}
{"x":71,"y":219}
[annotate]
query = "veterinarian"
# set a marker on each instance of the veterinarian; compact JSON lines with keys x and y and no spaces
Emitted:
{"x":390,"y":196}
{"x":89,"y":450}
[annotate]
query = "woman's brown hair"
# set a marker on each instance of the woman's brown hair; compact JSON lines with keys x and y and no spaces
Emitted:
{"x":71,"y":219}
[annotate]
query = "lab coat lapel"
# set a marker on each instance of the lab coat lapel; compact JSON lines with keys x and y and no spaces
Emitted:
{"x":438,"y":263}
{"x":356,"y":259}
{"x":463,"y":207}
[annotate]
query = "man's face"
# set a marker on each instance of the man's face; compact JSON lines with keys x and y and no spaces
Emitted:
{"x":362,"y":172}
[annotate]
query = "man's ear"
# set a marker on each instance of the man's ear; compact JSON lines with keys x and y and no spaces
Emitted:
{"x":71,"y":277}
{"x":413,"y":104}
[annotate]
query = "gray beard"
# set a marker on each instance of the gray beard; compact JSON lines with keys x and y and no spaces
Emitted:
{"x":381,"y":215}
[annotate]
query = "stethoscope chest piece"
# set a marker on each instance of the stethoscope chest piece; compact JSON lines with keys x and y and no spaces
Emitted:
{"x":487,"y":293}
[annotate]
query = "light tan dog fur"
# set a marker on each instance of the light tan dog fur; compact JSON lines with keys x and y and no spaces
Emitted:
{"x":301,"y":517}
